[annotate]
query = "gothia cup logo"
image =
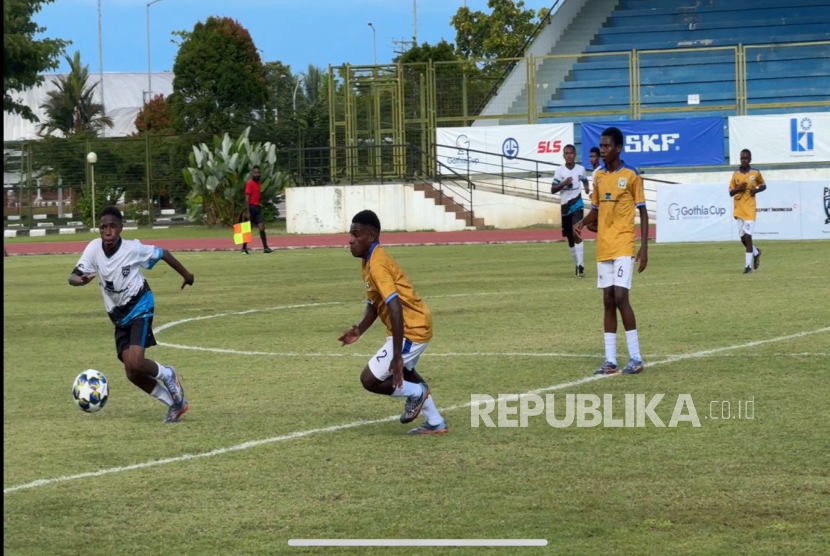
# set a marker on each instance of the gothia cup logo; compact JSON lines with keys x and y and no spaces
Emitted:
{"x":462,"y":144}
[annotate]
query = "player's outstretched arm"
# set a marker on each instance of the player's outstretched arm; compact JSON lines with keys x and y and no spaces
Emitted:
{"x":178,"y":267}
{"x":354,"y":333}
{"x":396,"y":319}
{"x":586,"y":222}
{"x":642,"y":255}
{"x":78,"y":278}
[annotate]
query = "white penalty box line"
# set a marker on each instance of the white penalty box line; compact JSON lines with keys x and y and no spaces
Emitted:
{"x":336,"y":428}
{"x":418,"y":542}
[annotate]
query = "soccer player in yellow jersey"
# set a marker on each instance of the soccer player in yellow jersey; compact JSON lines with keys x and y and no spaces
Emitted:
{"x":746,"y":183}
{"x":618,"y":194}
{"x":391,"y":297}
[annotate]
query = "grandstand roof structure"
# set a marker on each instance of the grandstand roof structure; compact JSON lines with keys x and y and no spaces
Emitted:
{"x":123,"y":95}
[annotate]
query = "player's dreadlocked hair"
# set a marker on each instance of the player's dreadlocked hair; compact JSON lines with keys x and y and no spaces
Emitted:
{"x":367,"y":218}
{"x":112,"y":211}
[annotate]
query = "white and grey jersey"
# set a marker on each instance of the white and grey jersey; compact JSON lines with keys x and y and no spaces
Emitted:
{"x":127,"y":294}
{"x":571,"y":196}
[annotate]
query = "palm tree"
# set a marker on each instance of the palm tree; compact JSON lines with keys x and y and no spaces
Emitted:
{"x":72,"y":108}
{"x":313,"y":84}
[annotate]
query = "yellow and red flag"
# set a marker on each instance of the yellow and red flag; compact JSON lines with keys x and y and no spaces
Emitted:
{"x":242,"y":233}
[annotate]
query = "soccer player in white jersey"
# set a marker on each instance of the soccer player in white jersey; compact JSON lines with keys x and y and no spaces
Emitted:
{"x":594,"y":159}
{"x":566,"y":181}
{"x":130,"y":305}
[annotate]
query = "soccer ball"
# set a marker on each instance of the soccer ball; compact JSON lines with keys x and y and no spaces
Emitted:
{"x":90,"y":391}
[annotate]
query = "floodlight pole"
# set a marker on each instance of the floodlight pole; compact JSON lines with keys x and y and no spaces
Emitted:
{"x":374,"y":42}
{"x":149,"y":71}
{"x":414,"y":23}
{"x":101,"y":57}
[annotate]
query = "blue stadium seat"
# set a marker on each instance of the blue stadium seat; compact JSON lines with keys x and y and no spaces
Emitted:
{"x":775,"y":74}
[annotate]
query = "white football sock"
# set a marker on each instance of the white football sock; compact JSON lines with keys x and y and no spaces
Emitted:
{"x":611,"y":347}
{"x":580,"y":251}
{"x":161,"y":394}
{"x":749,"y":259}
{"x":164,"y":373}
{"x":573,"y":254}
{"x":754,"y":251}
{"x":633,"y":344}
{"x":407,"y":389}
{"x":431,"y":412}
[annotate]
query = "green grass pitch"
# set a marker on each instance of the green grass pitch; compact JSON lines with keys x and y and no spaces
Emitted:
{"x":508,"y":319}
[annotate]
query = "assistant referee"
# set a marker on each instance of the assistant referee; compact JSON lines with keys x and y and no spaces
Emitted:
{"x":253,"y":191}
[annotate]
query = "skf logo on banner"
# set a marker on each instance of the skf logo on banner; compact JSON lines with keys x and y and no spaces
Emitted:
{"x":549,"y":147}
{"x":827,"y":204}
{"x":510,"y":148}
{"x":649,"y":143}
{"x":801,"y":138}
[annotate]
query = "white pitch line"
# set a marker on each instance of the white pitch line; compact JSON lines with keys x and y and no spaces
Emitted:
{"x":354,"y":424}
{"x":325,"y":303}
{"x":350,"y":354}
{"x":247,"y":312}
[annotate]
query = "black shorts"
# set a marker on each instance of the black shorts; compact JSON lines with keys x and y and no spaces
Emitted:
{"x":256,"y":214}
{"x":569,"y":221}
{"x":137,"y":333}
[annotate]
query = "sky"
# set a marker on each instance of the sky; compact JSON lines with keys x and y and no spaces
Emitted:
{"x":295,"y":32}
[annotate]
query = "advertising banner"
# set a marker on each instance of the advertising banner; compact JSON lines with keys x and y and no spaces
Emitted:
{"x":815,"y":210}
{"x":703,"y":212}
{"x":691,"y":213}
{"x":781,"y":138}
{"x":654,"y":143}
{"x":502,"y":148}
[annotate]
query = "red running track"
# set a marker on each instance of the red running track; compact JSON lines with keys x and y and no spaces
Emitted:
{"x":319,"y":241}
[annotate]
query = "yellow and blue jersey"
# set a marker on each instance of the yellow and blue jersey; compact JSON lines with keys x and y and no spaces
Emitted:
{"x":744,"y":203}
{"x":617,"y":196}
{"x":385,"y":280}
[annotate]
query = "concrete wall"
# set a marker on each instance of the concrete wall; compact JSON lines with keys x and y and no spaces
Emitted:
{"x":507,"y":211}
{"x":329,"y":209}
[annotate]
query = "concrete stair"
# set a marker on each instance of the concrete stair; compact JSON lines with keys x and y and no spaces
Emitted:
{"x":551,"y":73}
{"x":450,"y":205}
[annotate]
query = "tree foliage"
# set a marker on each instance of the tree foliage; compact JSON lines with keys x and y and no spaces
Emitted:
{"x":219,"y":79}
{"x":71,"y":108}
{"x":217,"y":178}
{"x":441,"y":52}
{"x":24,"y":58}
{"x":280,"y":82}
{"x":154,"y":117}
{"x":500,"y":34}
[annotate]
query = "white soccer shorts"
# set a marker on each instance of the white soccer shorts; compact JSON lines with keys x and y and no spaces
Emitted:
{"x":745,"y":227}
{"x":616,"y":272}
{"x":379,"y":364}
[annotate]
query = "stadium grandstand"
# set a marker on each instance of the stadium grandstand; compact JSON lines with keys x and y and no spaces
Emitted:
{"x":684,"y":47}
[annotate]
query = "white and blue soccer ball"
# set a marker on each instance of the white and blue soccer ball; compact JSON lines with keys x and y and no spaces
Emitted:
{"x":90,"y":391}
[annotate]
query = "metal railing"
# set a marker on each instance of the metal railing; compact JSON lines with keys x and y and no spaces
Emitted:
{"x":406,"y":103}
